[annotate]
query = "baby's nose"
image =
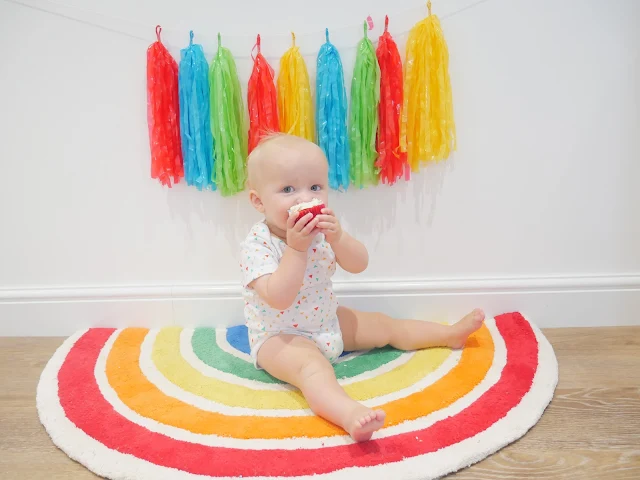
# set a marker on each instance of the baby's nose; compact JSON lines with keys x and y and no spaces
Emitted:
{"x":304,"y":197}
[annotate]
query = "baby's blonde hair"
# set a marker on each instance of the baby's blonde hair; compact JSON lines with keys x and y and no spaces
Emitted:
{"x":260,"y":153}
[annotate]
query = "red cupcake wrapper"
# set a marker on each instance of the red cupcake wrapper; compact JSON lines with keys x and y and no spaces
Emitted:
{"x":317,"y":210}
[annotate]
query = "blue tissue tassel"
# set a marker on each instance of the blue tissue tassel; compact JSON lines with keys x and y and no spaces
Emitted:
{"x":331,"y":114}
{"x":195,"y":120}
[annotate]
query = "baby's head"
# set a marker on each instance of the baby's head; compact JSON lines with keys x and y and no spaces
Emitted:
{"x":285,"y":170}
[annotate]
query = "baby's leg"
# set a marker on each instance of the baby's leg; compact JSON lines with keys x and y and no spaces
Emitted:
{"x":365,"y":330}
{"x":297,"y":360}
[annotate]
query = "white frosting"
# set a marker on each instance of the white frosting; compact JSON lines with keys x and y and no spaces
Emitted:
{"x":303,"y":206}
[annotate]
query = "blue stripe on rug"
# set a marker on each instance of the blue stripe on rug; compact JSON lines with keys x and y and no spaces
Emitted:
{"x":238,"y":338}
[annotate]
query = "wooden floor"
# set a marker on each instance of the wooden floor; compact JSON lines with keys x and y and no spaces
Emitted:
{"x":591,"y":430}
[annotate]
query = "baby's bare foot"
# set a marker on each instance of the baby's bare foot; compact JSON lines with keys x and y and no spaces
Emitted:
{"x":465,"y":327}
{"x":364,"y":422}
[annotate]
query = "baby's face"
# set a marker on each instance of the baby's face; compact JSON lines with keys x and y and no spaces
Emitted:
{"x":288,"y":175}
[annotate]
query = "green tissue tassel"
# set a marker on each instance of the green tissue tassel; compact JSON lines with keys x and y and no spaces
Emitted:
{"x":365,"y":96}
{"x":228,"y":123}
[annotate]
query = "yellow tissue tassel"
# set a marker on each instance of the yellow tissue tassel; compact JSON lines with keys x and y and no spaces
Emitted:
{"x":427,"y":131}
{"x":295,"y":110}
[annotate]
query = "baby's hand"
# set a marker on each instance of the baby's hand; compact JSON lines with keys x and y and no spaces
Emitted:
{"x":330,"y":226}
{"x":300,"y":234}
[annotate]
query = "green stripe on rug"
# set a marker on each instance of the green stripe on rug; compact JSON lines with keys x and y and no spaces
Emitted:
{"x":206,"y":348}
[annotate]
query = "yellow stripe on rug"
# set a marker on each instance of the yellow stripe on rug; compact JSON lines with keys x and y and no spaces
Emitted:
{"x":172,"y":365}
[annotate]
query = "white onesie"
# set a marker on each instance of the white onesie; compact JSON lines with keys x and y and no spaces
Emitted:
{"x":313,"y":313}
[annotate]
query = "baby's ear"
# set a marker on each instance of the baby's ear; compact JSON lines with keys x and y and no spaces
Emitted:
{"x":256,"y":201}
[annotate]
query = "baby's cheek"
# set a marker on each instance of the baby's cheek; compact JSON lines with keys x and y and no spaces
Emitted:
{"x":279,"y":212}
{"x":284,"y":213}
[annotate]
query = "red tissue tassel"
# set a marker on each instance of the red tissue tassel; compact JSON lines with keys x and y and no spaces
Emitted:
{"x":391,"y":162}
{"x":261,"y":99}
{"x":163,"y":113}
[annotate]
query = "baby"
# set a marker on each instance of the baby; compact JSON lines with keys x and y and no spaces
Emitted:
{"x":296,"y":327}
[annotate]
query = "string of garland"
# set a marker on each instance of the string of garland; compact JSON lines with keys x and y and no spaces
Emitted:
{"x":399,"y":118}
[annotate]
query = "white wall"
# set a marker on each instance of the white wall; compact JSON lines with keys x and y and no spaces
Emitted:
{"x":544,"y":183}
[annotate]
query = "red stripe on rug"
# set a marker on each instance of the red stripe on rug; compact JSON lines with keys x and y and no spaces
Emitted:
{"x":84,"y":405}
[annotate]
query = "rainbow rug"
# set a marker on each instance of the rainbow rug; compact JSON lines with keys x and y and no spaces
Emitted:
{"x":179,"y":403}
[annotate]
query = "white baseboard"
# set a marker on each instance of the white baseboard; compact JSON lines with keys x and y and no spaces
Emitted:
{"x":576,"y":301}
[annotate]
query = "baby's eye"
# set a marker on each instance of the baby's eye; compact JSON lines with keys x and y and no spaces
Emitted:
{"x":287,"y":189}
{"x":316,"y":188}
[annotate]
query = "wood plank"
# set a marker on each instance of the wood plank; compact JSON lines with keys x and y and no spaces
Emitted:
{"x":591,"y":430}
{"x":515,"y":464}
{"x":27,"y":450}
{"x":604,"y":357}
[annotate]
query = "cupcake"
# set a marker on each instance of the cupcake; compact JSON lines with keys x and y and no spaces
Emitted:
{"x":315,"y":207}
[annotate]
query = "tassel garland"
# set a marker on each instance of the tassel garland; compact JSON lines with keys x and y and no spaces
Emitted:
{"x":195,"y":122}
{"x":228,"y":123}
{"x":400,"y":116}
{"x":365,"y":95}
{"x":163,"y":108}
{"x":331,"y":114}
{"x":261,"y":100}
{"x":295,"y":109}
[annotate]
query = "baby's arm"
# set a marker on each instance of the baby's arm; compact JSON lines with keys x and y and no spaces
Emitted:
{"x":280,"y":288}
{"x":351,"y":254}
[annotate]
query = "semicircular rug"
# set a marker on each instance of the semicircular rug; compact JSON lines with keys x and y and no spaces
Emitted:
{"x":188,"y":404}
